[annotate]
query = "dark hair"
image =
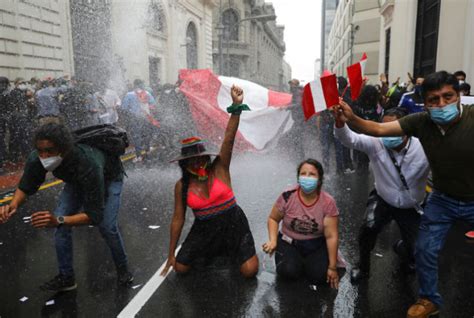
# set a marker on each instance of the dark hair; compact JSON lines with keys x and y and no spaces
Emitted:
{"x":369,"y":97}
{"x":465,"y":87}
{"x":315,"y":163}
{"x":138,"y":83}
{"x":58,"y":134}
{"x":460,"y":73}
{"x":185,"y":179}
{"x":437,"y":80}
{"x":398,"y":112}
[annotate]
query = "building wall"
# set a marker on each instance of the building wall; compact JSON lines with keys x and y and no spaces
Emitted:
{"x":135,"y":39}
{"x":328,"y":13}
{"x":455,"y":49}
{"x":258,"y":53}
{"x":355,"y":30}
{"x":35,"y":38}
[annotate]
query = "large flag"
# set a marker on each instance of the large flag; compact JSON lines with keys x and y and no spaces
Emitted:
{"x":355,"y":74}
{"x":209,"y":96}
{"x":320,"y":94}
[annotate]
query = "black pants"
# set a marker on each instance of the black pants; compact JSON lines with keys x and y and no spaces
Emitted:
{"x":302,"y":258}
{"x":378,"y":214}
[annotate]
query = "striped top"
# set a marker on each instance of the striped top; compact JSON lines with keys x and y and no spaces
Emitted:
{"x":221,"y":198}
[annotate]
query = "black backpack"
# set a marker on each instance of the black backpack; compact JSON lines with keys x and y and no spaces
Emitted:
{"x":110,"y":139}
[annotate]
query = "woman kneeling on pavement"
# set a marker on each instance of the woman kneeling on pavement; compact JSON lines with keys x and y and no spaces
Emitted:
{"x":308,"y":241}
{"x":220,"y":226}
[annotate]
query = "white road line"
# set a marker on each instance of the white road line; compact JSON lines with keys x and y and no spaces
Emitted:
{"x":140,"y":299}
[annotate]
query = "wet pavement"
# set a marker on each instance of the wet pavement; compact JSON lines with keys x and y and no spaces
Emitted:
{"x":27,"y":257}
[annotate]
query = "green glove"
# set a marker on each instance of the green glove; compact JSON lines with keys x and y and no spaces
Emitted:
{"x":237,"y":109}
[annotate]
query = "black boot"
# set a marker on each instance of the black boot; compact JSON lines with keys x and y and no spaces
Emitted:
{"x":124,"y":276}
{"x":60,"y":283}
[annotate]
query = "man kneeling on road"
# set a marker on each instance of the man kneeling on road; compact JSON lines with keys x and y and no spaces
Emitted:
{"x":91,"y":195}
{"x":446,"y":132}
{"x":400,"y":171}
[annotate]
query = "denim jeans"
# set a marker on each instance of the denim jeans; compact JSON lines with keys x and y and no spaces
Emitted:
{"x":440,"y":213}
{"x":70,"y":203}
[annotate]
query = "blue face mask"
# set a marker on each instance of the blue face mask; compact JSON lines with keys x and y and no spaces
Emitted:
{"x":444,"y":115}
{"x":308,"y":184}
{"x":392,"y":142}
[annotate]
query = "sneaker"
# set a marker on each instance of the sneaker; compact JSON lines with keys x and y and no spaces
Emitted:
{"x":124,"y":277}
{"x":137,"y":159}
{"x":423,"y":308}
{"x":60,"y":283}
{"x":358,"y":275}
{"x":349,"y":171}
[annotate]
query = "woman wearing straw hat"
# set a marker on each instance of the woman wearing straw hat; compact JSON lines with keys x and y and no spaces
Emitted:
{"x":220,"y":226}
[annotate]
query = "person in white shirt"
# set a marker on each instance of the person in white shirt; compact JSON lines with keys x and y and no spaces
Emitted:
{"x":111,"y":101}
{"x":397,"y":195}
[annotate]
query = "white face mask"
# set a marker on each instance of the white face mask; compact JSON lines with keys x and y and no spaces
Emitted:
{"x":51,"y":163}
{"x":22,"y":87}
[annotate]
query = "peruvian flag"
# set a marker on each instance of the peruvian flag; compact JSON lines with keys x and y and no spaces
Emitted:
{"x":209,"y":96}
{"x":355,"y":74}
{"x":320,"y":94}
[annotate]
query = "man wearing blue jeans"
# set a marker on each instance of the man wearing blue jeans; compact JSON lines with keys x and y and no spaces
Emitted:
{"x":446,"y":132}
{"x":91,"y":195}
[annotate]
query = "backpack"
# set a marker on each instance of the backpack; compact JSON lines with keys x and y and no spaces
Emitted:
{"x":108,"y":138}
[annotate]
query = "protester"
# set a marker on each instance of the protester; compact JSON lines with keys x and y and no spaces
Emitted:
{"x":110,"y":99}
{"x":343,"y":153}
{"x":465,"y":89}
{"x":5,"y":111}
{"x":460,"y":76}
{"x":91,"y":195}
{"x":413,"y":101}
{"x":446,"y":131}
{"x":137,"y":104}
{"x":400,"y":170}
{"x":307,"y":244}
{"x":220,"y":226}
{"x":20,"y":128}
{"x":298,"y":128}
{"x":48,"y":104}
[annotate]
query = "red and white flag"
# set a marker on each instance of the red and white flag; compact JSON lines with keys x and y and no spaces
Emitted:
{"x":209,"y":96}
{"x":320,"y":94}
{"x":355,"y":74}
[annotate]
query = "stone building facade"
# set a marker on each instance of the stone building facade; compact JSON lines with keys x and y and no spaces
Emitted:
{"x":249,"y":48}
{"x":35,"y":38}
{"x":154,"y":39}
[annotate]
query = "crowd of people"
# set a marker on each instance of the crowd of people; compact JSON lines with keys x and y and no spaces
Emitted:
{"x":404,"y":131}
{"x":76,"y":103}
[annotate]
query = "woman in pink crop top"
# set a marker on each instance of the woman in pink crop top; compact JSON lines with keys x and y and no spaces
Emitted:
{"x":220,"y":226}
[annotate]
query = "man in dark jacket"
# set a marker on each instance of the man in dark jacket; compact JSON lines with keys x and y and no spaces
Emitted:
{"x":5,"y":110}
{"x":20,"y":125}
{"x":91,"y":195}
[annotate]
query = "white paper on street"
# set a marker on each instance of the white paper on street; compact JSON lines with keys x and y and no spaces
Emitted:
{"x":50,"y":302}
{"x":154,"y":227}
{"x":23,"y":299}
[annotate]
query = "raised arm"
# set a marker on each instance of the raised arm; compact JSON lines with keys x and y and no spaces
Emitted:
{"x":225,"y":154}
{"x":345,"y":114}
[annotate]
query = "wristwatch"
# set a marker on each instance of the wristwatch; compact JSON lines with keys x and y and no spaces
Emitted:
{"x":60,"y":220}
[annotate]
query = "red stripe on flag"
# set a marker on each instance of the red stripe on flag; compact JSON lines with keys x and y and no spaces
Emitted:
{"x":278,"y":99}
{"x":307,"y":102}
{"x":330,"y":92}
{"x":354,"y":74}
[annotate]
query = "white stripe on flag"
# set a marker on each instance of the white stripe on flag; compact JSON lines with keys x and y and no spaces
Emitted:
{"x":318,"y":95}
{"x":362,"y":67}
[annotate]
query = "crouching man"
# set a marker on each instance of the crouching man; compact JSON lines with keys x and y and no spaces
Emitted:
{"x":91,"y":195}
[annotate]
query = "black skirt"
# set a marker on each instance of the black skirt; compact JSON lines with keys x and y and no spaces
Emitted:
{"x":227,"y":234}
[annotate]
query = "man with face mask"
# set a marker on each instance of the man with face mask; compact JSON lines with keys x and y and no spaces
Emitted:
{"x":400,"y":171}
{"x":91,"y":195}
{"x":446,"y":131}
{"x":413,"y":101}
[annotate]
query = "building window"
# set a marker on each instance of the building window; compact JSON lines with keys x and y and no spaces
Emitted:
{"x":426,"y":41}
{"x":154,"y":70}
{"x":191,"y":46}
{"x":388,"y":34}
{"x":232,"y":67}
{"x":230,"y":20}
{"x":156,"y":17}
